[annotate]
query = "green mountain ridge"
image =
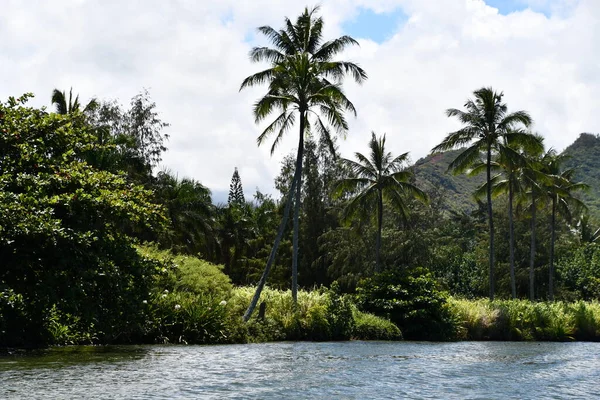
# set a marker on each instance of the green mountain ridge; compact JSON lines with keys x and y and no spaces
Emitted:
{"x":431,"y":173}
{"x":584,"y":156}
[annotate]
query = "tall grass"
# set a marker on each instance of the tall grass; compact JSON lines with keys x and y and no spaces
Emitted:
{"x":320,"y":315}
{"x":525,"y":320}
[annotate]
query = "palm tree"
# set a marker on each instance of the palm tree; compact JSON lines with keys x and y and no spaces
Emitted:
{"x":303,"y":81}
{"x":486,"y":122}
{"x":513,"y":152}
{"x":190,"y":211}
{"x":375,"y":178}
{"x":586,"y":231}
{"x":59,"y":101}
{"x":560,"y":192}
{"x":533,"y":180}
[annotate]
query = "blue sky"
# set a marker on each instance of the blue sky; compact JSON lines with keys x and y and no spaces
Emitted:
{"x":375,"y":26}
{"x":381,"y":26}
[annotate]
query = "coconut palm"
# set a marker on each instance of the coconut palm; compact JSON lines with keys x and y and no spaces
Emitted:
{"x":375,"y":178}
{"x":304,"y":86}
{"x":486,"y":122}
{"x":560,"y":190}
{"x":512,"y":157}
{"x":533,"y":180}
{"x":190,"y":211}
{"x":59,"y":101}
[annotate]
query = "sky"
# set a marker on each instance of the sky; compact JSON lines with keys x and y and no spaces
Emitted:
{"x":422,"y":57}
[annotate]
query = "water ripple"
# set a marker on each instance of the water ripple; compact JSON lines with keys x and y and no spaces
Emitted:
{"x":348,"y":370}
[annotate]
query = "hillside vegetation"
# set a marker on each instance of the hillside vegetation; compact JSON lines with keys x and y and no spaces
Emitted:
{"x":585,"y":157}
{"x":431,"y":173}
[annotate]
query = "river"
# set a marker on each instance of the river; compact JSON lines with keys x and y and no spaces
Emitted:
{"x":347,"y":370}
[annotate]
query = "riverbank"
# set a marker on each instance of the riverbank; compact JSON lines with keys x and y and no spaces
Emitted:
{"x":322,"y":315}
{"x":191,"y":301}
{"x":523,"y":320}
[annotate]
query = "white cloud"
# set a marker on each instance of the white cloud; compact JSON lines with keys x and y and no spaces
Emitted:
{"x":193,"y":56}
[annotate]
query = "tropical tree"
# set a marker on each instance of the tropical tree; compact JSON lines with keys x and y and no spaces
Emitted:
{"x":190,"y":213}
{"x":511,"y":160}
{"x":59,"y":101}
{"x":304,"y":84}
{"x":236,"y":192}
{"x":377,"y":178}
{"x":486,"y":122}
{"x":62,"y":242}
{"x":533,"y":180}
{"x":133,"y":138}
{"x":560,"y":190}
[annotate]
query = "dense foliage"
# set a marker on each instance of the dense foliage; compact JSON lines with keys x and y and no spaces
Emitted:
{"x":99,"y":246}
{"x":62,"y":244}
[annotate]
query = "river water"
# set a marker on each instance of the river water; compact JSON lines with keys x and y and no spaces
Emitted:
{"x":346,"y":370}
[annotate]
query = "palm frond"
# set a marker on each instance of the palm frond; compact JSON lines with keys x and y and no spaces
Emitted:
{"x":260,"y":54}
{"x":364,"y":170}
{"x":457,"y":139}
{"x":465,"y":159}
{"x":258,"y":79}
{"x":333,"y":47}
{"x":282,"y":123}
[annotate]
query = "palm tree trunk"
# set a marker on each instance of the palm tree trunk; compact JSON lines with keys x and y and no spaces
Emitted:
{"x":299,"y":160}
{"x":552,"y":239}
{"x":532,"y":253}
{"x":263,"y":278}
{"x":379,"y":227}
{"x":511,"y":228}
{"x":490,"y":218}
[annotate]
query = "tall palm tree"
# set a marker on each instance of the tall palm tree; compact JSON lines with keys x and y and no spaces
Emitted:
{"x":304,"y":84}
{"x":375,"y":178}
{"x":512,"y":158}
{"x":560,"y":191}
{"x":486,"y":122}
{"x":59,"y":101}
{"x":534,"y":179}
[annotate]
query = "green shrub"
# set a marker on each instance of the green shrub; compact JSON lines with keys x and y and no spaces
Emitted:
{"x":188,"y":274}
{"x":411,"y":300}
{"x":16,"y":327}
{"x":320,"y":315}
{"x":184,"y":317}
{"x":371,"y":327}
{"x":579,"y":272}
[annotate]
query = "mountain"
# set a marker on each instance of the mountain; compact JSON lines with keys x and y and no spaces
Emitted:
{"x":431,"y":174}
{"x":585,"y":158}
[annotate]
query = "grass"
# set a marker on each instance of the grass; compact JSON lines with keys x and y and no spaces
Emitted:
{"x":524,"y":320}
{"x":320,"y":315}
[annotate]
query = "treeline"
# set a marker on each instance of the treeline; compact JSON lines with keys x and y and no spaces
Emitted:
{"x":79,"y":203}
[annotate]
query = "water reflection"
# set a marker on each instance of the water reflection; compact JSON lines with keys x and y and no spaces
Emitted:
{"x":467,"y":370}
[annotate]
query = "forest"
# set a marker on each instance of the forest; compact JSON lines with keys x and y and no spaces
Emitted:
{"x":494,"y":236}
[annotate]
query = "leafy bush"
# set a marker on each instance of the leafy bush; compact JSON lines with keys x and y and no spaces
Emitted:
{"x":16,"y":328}
{"x":183,"y":317}
{"x":188,"y":274}
{"x":320,"y":315}
{"x":411,"y":300}
{"x":371,"y":327}
{"x":579,"y":272}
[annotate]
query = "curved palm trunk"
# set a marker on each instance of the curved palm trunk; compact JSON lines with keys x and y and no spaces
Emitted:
{"x":532,"y":253}
{"x":553,"y":238}
{"x":263,"y":278}
{"x":379,"y":228}
{"x":299,"y":160}
{"x":513,"y":284}
{"x":490,"y":219}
